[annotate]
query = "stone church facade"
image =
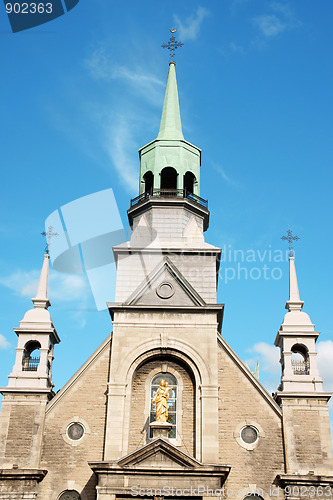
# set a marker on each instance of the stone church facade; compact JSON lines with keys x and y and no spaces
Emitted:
{"x":226,"y":436}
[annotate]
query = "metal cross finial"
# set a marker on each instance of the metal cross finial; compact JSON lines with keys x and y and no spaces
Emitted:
{"x":172,"y":45}
{"x":290,"y":238}
{"x":48,"y":235}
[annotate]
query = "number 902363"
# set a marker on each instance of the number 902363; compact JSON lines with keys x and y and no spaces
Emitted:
{"x":28,"y":8}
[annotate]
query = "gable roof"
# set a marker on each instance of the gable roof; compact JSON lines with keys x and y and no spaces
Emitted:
{"x":157,"y":447}
{"x":77,"y":375}
{"x":242,"y":366}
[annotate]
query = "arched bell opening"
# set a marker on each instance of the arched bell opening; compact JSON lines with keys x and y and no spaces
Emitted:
{"x":300,"y":362}
{"x":149,"y":182}
{"x":169,"y":178}
{"x":31,"y":356}
{"x":189,"y":180}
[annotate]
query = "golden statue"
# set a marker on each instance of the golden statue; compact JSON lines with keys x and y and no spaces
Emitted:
{"x":161,"y":397}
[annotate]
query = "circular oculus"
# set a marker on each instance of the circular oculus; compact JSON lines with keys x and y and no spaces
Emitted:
{"x":165,"y":290}
{"x":249,"y":434}
{"x":75,"y":431}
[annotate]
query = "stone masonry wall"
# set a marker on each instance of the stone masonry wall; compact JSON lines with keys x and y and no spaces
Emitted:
{"x":307,"y":436}
{"x":67,"y":462}
{"x":241,"y":404}
{"x":22,"y":419}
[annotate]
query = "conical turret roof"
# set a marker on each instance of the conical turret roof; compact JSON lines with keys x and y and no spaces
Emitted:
{"x":171,"y":126}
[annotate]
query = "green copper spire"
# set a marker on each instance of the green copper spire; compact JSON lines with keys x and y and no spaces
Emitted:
{"x":171,"y":126}
{"x":169,"y":161}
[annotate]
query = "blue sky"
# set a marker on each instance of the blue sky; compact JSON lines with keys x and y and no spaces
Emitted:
{"x":81,"y":94}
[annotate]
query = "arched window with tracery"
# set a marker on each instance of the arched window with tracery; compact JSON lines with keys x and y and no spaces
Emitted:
{"x":171,"y":404}
{"x":31,"y":356}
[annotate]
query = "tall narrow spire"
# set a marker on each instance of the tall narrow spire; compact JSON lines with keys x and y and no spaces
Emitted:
{"x":171,"y":127}
{"x":41,"y":300}
{"x":294,"y":303}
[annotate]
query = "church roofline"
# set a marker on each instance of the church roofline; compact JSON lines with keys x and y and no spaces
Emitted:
{"x":169,"y":142}
{"x":134,"y":463}
{"x":78,"y":374}
{"x":250,"y":376}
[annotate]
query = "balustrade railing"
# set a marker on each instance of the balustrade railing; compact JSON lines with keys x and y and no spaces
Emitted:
{"x":169,"y":193}
{"x":30,"y":364}
{"x":300,"y":367}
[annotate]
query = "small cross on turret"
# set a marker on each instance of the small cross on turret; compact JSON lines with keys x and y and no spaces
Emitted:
{"x":290,"y":238}
{"x":172,"y":45}
{"x":49,"y":236}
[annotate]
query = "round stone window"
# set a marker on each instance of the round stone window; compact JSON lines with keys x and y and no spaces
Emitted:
{"x":165,"y":290}
{"x":75,"y":431}
{"x":70,"y":495}
{"x":249,"y":434}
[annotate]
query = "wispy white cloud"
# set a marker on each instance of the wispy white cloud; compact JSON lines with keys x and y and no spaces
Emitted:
{"x":119,"y":144}
{"x":101,"y":66}
{"x":236,"y":48}
{"x":284,"y":9}
{"x":189,"y":29}
{"x":221,"y":171}
{"x":279,"y":18}
{"x":269,"y":25}
{"x":4,"y":344}
{"x":125,"y":121}
{"x":62,"y":287}
{"x":268,"y":355}
{"x":324,"y":359}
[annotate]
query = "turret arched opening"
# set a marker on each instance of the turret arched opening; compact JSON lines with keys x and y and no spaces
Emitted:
{"x":149,"y":182}
{"x":169,"y":178}
{"x":189,"y":180}
{"x":31,"y":356}
{"x":300,"y":360}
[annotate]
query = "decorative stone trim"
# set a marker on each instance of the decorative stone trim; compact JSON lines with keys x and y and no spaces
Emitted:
{"x":165,"y":290}
{"x":237,"y":434}
{"x":74,"y":420}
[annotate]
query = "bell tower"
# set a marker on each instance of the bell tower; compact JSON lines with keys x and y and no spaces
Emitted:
{"x":306,"y":424}
{"x":30,"y":384}
{"x":297,"y":338}
{"x":165,"y":315}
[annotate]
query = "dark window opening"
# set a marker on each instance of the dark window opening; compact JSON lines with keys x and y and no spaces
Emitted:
{"x":149,"y":182}
{"x":31,"y":356}
{"x":189,"y":179}
{"x":300,"y":360}
{"x":168,"y":178}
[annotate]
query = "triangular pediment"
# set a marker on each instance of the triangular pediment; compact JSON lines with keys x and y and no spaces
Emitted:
{"x":165,"y":286}
{"x":159,"y":453}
